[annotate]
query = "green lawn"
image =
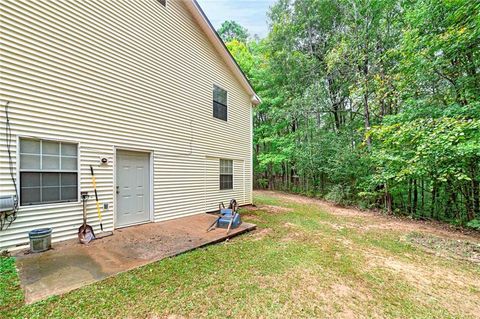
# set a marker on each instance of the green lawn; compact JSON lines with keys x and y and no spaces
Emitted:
{"x":303,"y":261}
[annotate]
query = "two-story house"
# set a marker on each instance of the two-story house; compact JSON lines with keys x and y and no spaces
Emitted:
{"x":144,"y":91}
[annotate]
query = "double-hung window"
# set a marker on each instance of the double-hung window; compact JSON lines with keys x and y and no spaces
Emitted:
{"x":226,"y":174}
{"x":48,"y":172}
{"x":219,"y":103}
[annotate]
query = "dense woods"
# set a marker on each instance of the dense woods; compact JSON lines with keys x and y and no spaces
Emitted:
{"x":374,"y":103}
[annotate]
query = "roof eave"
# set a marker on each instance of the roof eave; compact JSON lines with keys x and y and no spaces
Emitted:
{"x":222,"y":49}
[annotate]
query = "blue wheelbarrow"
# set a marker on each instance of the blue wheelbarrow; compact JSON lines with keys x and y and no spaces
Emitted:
{"x":229,"y":217}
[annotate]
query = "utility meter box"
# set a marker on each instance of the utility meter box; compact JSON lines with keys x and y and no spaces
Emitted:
{"x":7,"y":203}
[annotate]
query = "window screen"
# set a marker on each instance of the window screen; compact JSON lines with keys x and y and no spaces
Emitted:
{"x":219,"y":103}
{"x":226,"y":174}
{"x":48,"y":172}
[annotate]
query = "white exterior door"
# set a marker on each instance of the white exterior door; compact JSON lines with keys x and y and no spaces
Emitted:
{"x":133,"y":188}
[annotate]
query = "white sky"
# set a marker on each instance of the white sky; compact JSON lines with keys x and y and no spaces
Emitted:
{"x":252,"y":14}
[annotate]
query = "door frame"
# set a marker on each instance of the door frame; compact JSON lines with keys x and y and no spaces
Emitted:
{"x":150,"y":184}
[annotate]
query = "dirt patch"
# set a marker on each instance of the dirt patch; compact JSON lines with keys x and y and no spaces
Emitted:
{"x":293,"y":233}
{"x":248,"y":208}
{"x":336,"y":300}
{"x":166,"y":317}
{"x":293,"y":236}
{"x":269,"y":208}
{"x":260,"y":234}
{"x":378,"y":220}
{"x":290,"y":225}
{"x":275,"y":209}
{"x":337,"y":210}
{"x":450,"y":287}
{"x":459,"y":249}
{"x":428,"y":279}
{"x":253,"y":218}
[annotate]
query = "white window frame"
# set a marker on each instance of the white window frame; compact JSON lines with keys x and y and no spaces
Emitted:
{"x":18,"y":171}
{"x":220,"y":173}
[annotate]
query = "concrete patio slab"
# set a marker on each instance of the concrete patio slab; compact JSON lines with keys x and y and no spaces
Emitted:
{"x":70,"y":265}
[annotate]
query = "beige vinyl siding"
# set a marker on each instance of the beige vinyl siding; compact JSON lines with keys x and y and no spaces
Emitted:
{"x":126,"y":74}
{"x":212,"y":184}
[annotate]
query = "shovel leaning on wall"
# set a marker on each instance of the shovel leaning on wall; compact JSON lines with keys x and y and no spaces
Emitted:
{"x":99,"y":213}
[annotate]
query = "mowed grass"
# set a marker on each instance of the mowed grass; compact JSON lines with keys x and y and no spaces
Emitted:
{"x":301,"y":262}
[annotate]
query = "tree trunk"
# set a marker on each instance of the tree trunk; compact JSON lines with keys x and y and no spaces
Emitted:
{"x":469,"y":201}
{"x":388,"y":200}
{"x":365,"y":100}
{"x":415,"y":197}
{"x":409,"y":199}
{"x":475,"y":192}
{"x":423,"y":195}
{"x":336,"y":117}
{"x":270,"y":178}
{"x":450,"y":209}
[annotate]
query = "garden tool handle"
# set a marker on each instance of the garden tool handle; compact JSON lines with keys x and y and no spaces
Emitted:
{"x":94,"y":182}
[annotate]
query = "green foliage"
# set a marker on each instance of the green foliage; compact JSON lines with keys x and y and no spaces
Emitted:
{"x":339,"y":194}
{"x":11,"y":296}
{"x":242,"y":55}
{"x":475,"y":224}
{"x":231,"y":30}
{"x":370,"y":102}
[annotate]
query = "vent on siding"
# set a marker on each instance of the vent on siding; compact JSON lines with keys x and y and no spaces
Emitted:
{"x":163,"y":2}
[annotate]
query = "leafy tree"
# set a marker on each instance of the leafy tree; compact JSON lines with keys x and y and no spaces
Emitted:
{"x":242,"y":55}
{"x":231,"y":30}
{"x":370,"y":102}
